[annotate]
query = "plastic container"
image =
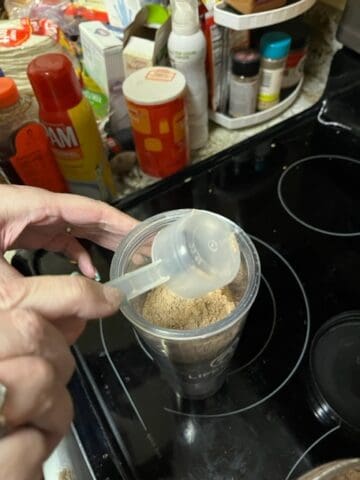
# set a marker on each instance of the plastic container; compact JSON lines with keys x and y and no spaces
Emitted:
{"x":244,"y":83}
{"x":295,"y":62}
{"x":253,"y":6}
{"x":193,"y":256}
{"x":274,"y":49}
{"x":25,"y":151}
{"x":155,"y":98}
{"x":71,"y":126}
{"x":339,"y":469}
{"x":226,"y":17}
{"x":194,"y":361}
{"x":187,"y":52}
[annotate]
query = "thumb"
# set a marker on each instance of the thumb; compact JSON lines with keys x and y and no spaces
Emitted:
{"x":57,"y":297}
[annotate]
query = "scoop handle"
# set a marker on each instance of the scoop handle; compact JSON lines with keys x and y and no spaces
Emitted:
{"x":141,"y":280}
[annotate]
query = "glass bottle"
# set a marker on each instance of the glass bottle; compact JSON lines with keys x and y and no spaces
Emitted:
{"x":244,"y":82}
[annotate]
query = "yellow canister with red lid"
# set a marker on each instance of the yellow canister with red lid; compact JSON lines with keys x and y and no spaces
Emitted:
{"x":155,"y":98}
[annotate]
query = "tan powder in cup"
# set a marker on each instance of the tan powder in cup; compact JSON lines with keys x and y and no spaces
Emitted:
{"x":165,"y":309}
{"x":353,"y":474}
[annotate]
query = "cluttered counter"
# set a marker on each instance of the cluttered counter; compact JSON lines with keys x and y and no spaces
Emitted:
{"x":323,"y":20}
{"x":220,"y":138}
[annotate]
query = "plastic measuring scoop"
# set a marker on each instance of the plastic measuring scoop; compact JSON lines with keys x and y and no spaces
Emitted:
{"x":193,"y":256}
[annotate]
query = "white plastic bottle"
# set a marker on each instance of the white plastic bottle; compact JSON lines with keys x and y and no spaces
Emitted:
{"x":187,"y":51}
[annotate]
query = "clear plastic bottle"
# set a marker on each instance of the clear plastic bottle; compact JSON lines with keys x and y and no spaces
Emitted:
{"x":187,"y":52}
{"x":244,"y":83}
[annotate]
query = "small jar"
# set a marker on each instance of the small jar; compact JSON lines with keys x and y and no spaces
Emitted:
{"x":244,"y":82}
{"x":274,"y":49}
{"x":294,"y":68}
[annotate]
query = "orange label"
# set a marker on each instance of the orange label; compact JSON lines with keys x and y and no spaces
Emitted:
{"x":34,"y":162}
{"x":161,"y":75}
{"x":12,"y":37}
{"x":161,"y":136}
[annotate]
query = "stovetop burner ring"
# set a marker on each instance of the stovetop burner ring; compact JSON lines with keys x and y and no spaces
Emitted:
{"x":271,"y":332}
{"x":321,"y":193}
{"x":238,"y":407}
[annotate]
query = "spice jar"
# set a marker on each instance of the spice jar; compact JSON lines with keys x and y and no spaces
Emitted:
{"x":294,"y":68}
{"x":155,"y":98}
{"x":244,"y":83}
{"x":274,"y":49}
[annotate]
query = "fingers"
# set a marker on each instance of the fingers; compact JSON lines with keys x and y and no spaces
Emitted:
{"x":95,"y":220}
{"x":58,"y":297}
{"x":69,"y":246}
{"x":90,"y":219}
{"x":24,"y":332}
{"x":7,"y":271}
{"x":22,"y":453}
{"x":30,"y":213}
{"x":35,"y":396}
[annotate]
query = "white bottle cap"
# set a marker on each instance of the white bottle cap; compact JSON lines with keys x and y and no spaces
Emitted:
{"x":185,"y":17}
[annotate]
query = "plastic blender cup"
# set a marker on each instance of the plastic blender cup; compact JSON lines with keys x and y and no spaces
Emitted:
{"x":194,"y":255}
{"x":192,"y":361}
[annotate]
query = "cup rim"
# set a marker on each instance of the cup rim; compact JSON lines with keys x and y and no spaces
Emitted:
{"x":131,"y":242}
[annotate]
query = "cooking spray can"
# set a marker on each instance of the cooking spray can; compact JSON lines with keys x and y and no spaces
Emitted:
{"x":71,"y":126}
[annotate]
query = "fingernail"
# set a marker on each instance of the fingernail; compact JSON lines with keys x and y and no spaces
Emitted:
{"x":112,"y":295}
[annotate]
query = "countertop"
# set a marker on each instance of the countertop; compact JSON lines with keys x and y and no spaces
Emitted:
{"x":324,"y":20}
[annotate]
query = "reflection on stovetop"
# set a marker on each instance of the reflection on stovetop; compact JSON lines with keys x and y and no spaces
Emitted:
{"x":295,"y":190}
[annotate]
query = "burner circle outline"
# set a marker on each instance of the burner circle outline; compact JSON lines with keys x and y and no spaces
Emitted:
{"x":295,"y":367}
{"x":290,"y":212}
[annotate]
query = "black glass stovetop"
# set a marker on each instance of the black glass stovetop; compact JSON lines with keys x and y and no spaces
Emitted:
{"x":291,"y":400}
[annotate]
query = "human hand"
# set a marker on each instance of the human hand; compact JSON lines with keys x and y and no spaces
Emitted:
{"x":38,"y":316}
{"x":34,"y":218}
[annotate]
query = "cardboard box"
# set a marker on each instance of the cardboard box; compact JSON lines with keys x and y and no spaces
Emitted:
{"x":138,"y":53}
{"x":102,"y":57}
{"x":145,"y":46}
{"x":122,"y":12}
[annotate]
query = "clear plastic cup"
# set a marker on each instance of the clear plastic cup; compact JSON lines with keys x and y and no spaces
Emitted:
{"x":193,"y":361}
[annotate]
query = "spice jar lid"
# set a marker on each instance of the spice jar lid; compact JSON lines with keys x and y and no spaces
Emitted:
{"x":154,"y":85}
{"x":9,"y":93}
{"x":245,"y":63}
{"x":275,"y":45}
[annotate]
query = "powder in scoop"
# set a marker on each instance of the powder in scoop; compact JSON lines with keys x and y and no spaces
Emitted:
{"x":165,"y":309}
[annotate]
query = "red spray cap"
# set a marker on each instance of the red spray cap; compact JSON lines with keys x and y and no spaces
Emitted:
{"x":54,"y":82}
{"x":9,"y":94}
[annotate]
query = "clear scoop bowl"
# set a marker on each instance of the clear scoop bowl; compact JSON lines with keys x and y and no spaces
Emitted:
{"x":194,"y":255}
